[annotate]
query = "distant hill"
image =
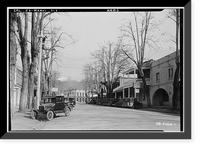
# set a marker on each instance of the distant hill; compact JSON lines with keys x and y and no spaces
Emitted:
{"x":70,"y":84}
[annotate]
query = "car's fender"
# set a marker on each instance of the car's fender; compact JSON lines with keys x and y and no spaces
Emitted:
{"x":50,"y":109}
{"x":35,"y":110}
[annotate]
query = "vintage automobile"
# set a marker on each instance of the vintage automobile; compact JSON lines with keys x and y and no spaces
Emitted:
{"x":72,"y":101}
{"x":50,"y":106}
{"x":137,"y":104}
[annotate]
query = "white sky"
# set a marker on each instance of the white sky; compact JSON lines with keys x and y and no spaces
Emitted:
{"x":93,"y":28}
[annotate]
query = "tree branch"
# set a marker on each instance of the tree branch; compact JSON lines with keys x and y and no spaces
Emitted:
{"x":137,"y":32}
{"x":45,"y":15}
{"x":172,"y":19}
{"x":129,"y":56}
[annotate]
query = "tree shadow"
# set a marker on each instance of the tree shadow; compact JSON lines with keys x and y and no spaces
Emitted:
{"x":166,"y":112}
{"x":39,"y":118}
{"x":42,"y":117}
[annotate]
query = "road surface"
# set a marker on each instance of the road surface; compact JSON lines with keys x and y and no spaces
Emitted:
{"x":95,"y":117}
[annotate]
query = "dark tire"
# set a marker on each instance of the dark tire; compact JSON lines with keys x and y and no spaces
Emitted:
{"x":50,"y":115}
{"x":71,"y":107}
{"x":67,"y":111}
{"x":33,"y":114}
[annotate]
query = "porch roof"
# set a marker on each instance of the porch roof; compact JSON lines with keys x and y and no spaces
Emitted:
{"x":120,"y":88}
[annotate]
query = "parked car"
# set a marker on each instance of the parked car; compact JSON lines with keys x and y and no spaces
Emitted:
{"x":119,"y":103}
{"x":137,"y":104}
{"x":50,"y":106}
{"x":72,"y":101}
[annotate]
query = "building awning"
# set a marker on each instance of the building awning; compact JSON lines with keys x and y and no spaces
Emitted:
{"x":119,"y":88}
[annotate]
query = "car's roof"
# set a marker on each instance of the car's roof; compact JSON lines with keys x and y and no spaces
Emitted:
{"x":48,"y":97}
{"x":60,"y":96}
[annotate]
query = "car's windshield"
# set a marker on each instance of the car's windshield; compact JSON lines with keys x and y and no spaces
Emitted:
{"x":59,"y":99}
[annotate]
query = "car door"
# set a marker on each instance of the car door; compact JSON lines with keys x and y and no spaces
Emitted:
{"x":62,"y":105}
{"x":57,"y":104}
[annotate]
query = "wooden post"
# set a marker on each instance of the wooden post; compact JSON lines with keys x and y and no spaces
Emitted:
{"x":39,"y":71}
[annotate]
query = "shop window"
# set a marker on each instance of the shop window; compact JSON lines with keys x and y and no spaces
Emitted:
{"x":158,"y":77}
{"x":146,"y":73}
{"x":170,"y":73}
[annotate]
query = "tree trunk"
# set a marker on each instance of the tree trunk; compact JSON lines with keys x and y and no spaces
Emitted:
{"x":145,"y":86}
{"x":146,"y":91}
{"x":30,"y":88}
{"x":25,"y":75}
{"x":31,"y":84}
{"x":175,"y":88}
{"x":34,"y":57}
{"x":25,"y":66}
{"x":176,"y":75}
{"x":13,"y":53}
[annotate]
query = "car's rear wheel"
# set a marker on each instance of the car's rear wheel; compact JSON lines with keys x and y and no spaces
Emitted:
{"x":67,"y":111}
{"x":50,"y":115}
{"x":71,"y":107}
{"x":33,"y":114}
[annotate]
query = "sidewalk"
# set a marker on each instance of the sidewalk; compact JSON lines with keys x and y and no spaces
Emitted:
{"x":23,"y":121}
{"x":161,"y":109}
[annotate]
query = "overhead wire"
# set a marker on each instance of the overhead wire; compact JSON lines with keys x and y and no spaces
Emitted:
{"x":74,"y":56}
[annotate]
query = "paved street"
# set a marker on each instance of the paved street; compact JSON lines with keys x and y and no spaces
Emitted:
{"x":94,"y":117}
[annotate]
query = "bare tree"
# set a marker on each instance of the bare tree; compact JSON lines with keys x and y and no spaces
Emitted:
{"x":48,"y":54}
{"x":13,"y":53}
{"x":112,"y":62}
{"x":88,"y":82}
{"x":35,"y":19}
{"x":52,"y":45}
{"x":176,"y":86}
{"x":140,"y":36}
{"x":23,"y":35}
{"x":36,"y":27}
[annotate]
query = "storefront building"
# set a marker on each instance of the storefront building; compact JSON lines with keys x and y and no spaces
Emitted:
{"x":159,"y":77}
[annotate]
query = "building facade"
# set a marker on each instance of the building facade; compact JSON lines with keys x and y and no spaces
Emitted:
{"x":159,"y":76}
{"x":79,"y":95}
{"x":162,"y":78}
{"x":131,"y":85}
{"x":17,"y":85}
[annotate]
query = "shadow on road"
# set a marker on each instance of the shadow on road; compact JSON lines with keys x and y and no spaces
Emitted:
{"x":162,"y":112}
{"x":42,"y":117}
{"x":39,"y":118}
{"x":152,"y":109}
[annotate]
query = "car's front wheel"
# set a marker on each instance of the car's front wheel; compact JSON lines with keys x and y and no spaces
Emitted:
{"x":50,"y":115}
{"x":67,"y":111}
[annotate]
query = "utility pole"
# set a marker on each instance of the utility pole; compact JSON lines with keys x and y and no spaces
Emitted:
{"x":39,"y":67}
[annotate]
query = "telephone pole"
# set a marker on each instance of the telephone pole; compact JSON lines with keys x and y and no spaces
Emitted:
{"x":39,"y":67}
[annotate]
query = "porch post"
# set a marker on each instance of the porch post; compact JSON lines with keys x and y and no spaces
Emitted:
{"x":134,"y":85}
{"x":135,"y":93}
{"x":123,"y":93}
{"x":129,"y":92}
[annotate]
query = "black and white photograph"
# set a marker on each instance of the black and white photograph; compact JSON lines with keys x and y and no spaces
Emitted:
{"x":97,"y":69}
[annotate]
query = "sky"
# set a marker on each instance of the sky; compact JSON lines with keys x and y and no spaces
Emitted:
{"x":90,"y":29}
